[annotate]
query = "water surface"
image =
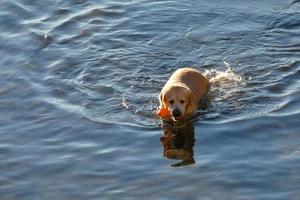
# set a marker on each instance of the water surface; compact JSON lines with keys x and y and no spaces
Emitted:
{"x":79,"y":82}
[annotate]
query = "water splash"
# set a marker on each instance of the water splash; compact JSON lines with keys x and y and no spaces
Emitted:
{"x":226,"y":91}
{"x":218,"y":76}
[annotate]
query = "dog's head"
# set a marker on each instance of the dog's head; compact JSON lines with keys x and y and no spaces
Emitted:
{"x":179,"y":100}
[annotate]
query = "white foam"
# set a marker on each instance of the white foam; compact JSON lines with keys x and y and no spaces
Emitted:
{"x":217,"y":76}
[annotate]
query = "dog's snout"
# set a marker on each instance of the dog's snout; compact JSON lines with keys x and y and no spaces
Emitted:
{"x":176,"y":113}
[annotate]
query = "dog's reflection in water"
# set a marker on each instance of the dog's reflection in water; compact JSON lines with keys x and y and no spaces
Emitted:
{"x":178,"y":141}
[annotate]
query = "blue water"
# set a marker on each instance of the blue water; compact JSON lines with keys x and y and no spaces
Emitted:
{"x":79,"y":82}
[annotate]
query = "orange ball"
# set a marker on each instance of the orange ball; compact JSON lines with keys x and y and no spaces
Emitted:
{"x":163,"y":113}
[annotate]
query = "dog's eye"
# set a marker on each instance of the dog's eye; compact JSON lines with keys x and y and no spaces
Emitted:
{"x":182,"y":101}
{"x":171,"y":101}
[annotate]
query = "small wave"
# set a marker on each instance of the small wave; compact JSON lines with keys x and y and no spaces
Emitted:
{"x":225,"y":94}
{"x":88,"y":14}
{"x":123,"y":117}
{"x":218,"y":76}
{"x":64,"y":105}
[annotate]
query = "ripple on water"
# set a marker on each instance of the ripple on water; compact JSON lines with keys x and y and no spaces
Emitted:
{"x":79,"y":86}
{"x":108,"y":88}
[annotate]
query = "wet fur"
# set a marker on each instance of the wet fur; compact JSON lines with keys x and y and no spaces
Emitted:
{"x":184,"y":84}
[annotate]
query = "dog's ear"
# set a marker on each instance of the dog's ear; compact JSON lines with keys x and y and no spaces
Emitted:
{"x":192,"y":105}
{"x":162,"y":102}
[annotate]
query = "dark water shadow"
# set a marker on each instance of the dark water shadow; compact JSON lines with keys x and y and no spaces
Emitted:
{"x":178,"y":142}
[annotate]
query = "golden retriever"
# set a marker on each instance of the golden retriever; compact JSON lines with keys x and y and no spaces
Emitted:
{"x":182,"y":93}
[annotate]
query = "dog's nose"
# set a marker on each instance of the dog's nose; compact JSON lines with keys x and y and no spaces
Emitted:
{"x":176,"y":113}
